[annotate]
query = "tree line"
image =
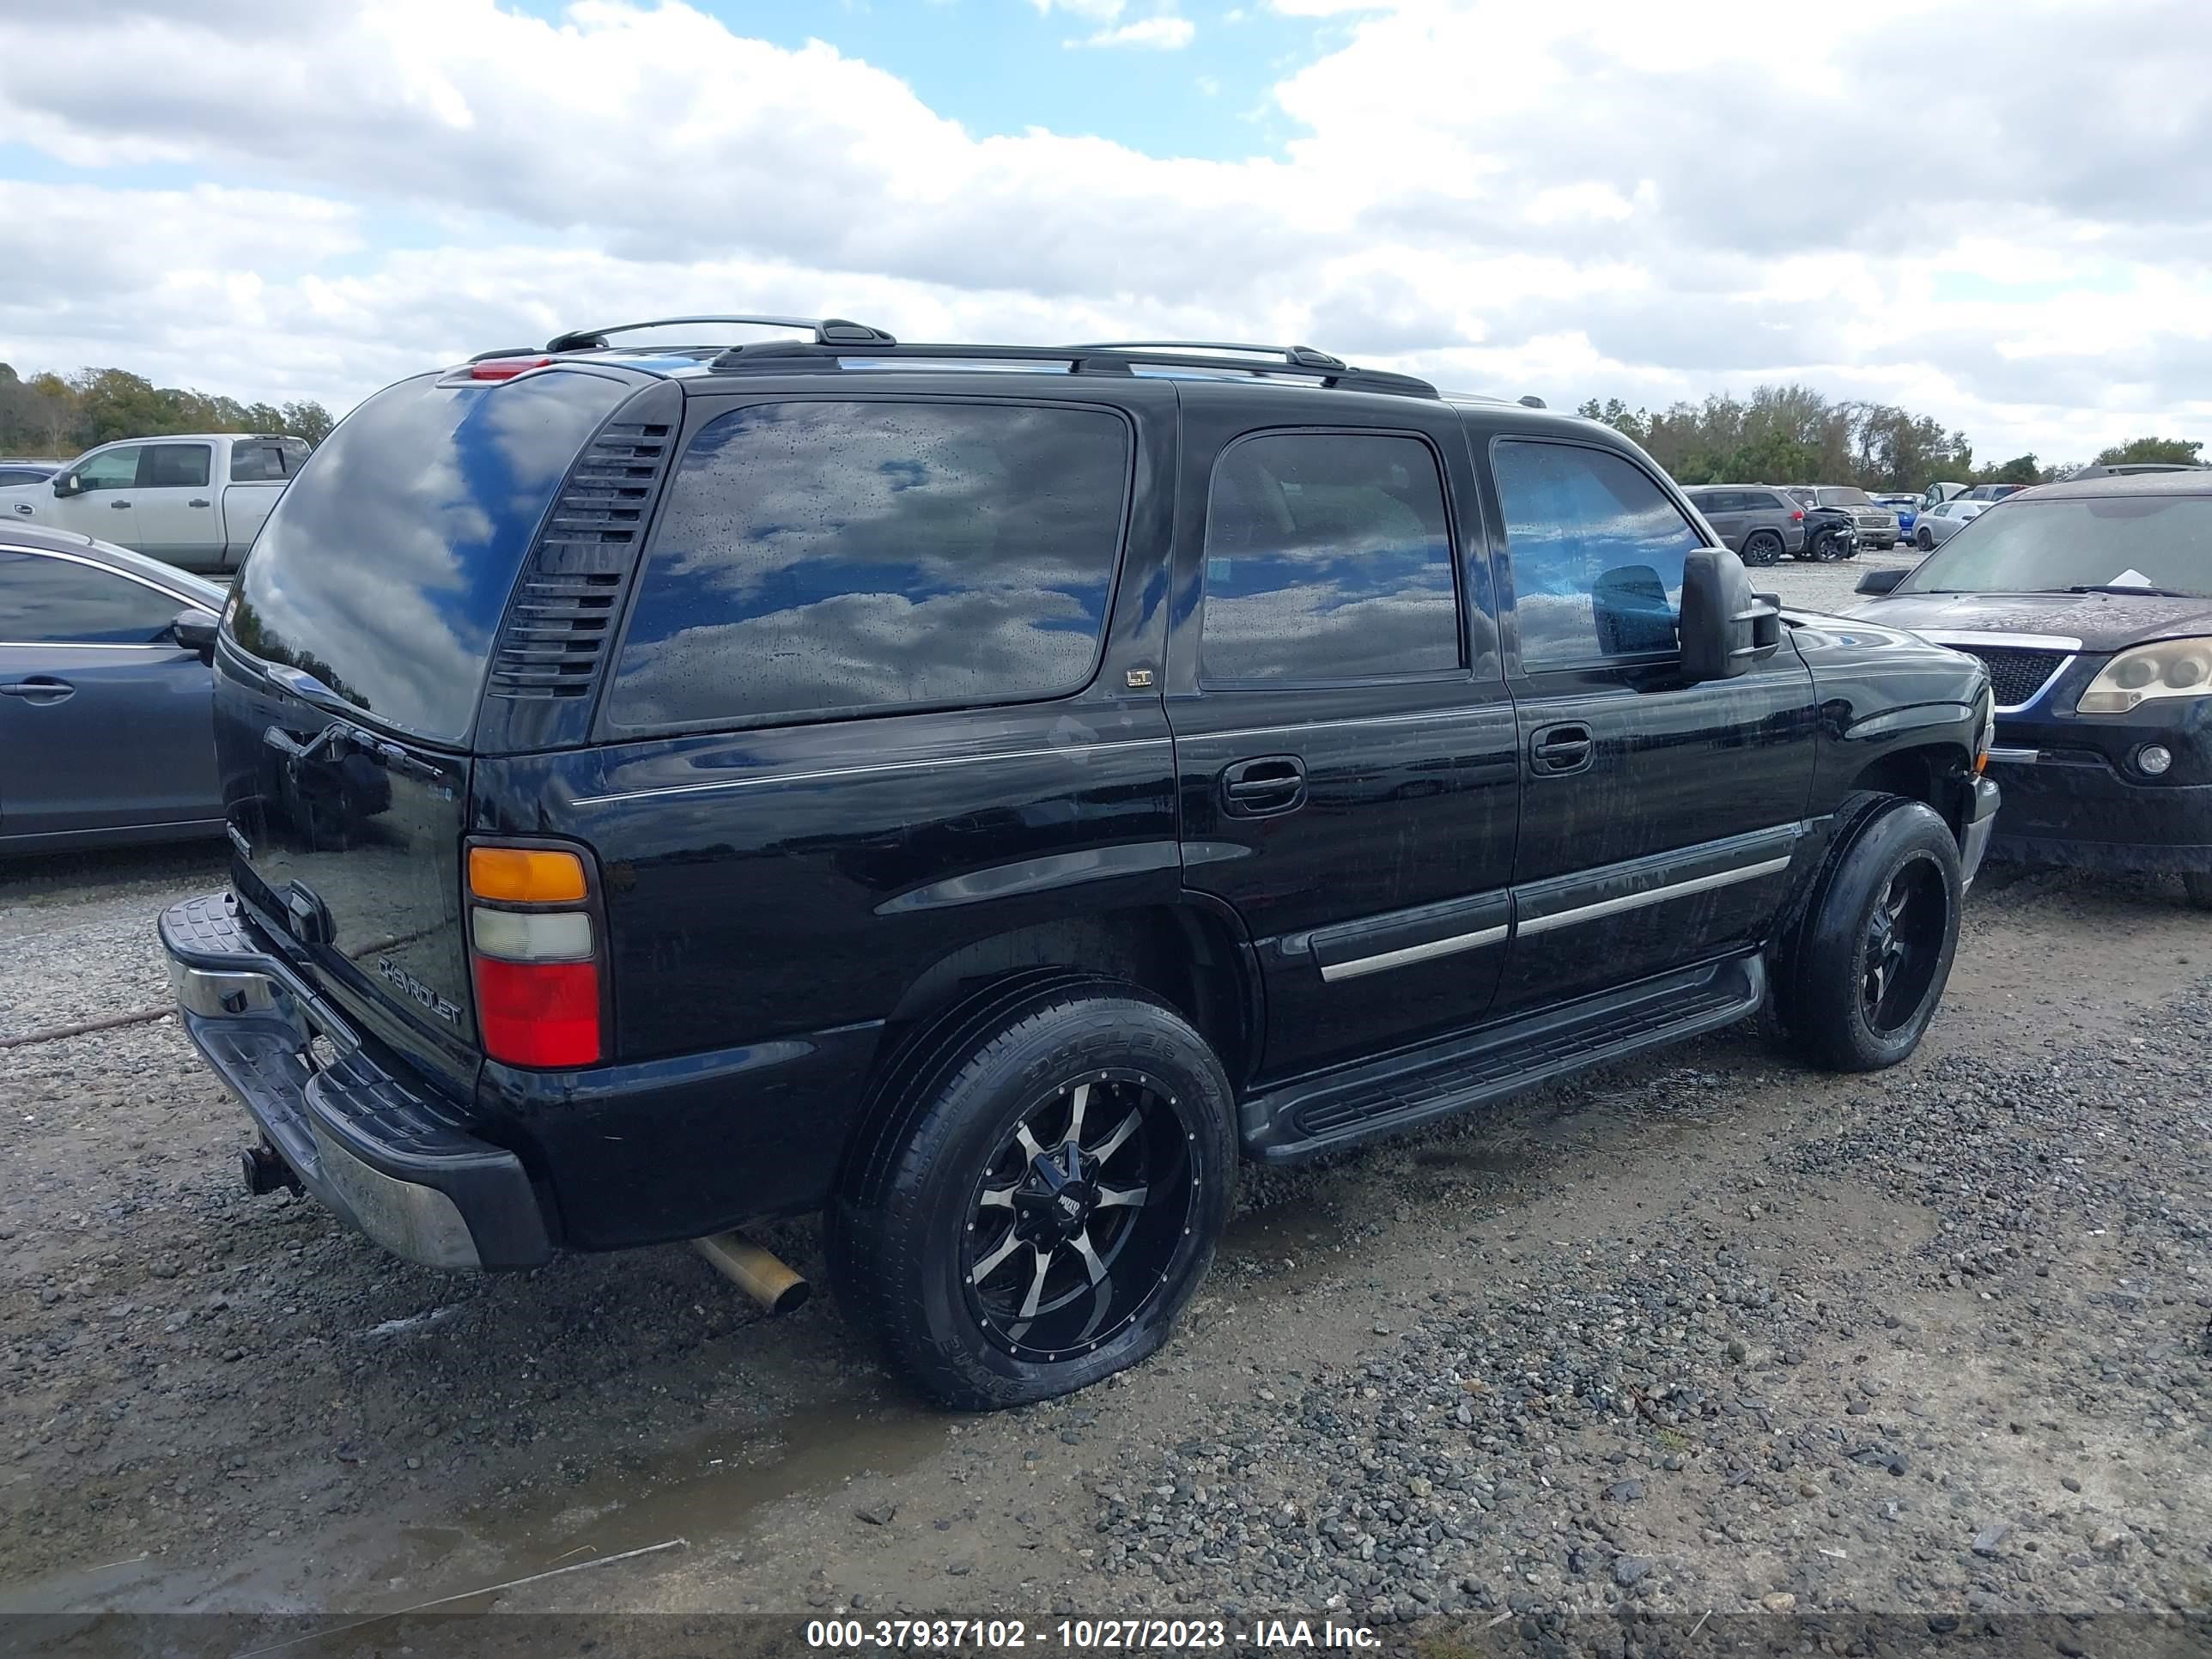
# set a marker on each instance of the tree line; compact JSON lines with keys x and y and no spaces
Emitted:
{"x":55,"y":417}
{"x":1794,"y":434}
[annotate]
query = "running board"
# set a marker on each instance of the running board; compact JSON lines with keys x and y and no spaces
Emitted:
{"x":1376,"y":1097}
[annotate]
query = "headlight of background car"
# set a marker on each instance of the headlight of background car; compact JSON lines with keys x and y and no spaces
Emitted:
{"x":2171,"y":668}
{"x":1988,"y":734}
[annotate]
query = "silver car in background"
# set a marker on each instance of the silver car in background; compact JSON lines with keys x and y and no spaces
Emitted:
{"x":1937,"y":525}
{"x":1875,"y":525}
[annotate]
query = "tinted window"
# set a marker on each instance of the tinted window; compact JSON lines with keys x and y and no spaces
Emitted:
{"x":1597,"y":550}
{"x":18,"y":475}
{"x":173,"y":466}
{"x":386,"y":567}
{"x":111,"y":469}
{"x":1327,"y":557}
{"x":834,"y":556}
{"x":1761,"y":501}
{"x":257,"y":464}
{"x":58,"y":601}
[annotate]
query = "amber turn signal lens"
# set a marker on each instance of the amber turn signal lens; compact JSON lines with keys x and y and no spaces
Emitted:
{"x":526,"y":875}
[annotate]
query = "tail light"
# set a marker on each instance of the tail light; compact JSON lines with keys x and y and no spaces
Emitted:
{"x":1797,"y":516}
{"x":537,"y":955}
{"x":505,"y":369}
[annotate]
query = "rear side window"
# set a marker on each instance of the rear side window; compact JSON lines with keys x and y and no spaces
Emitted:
{"x":1328,"y":556}
{"x":49,"y":601}
{"x":1760,"y":502}
{"x":173,"y":466}
{"x":1597,"y":550}
{"x":815,"y":558}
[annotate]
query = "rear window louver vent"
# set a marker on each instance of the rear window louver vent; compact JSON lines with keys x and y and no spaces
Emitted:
{"x":562,"y":620}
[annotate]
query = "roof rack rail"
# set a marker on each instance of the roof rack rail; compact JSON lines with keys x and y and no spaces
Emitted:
{"x":825,"y":330}
{"x":791,"y":357}
{"x":1297,"y":357}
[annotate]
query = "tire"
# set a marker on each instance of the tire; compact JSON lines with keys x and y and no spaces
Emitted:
{"x":1823,"y":550}
{"x":1762,"y":547}
{"x":1866,"y":963}
{"x":944,"y":1218}
{"x":2197,"y":886}
{"x":1924,"y":541}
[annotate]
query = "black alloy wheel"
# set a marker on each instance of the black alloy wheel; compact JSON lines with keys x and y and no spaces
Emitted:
{"x":1078,"y":1214}
{"x":1904,"y":939}
{"x":1764,"y":547}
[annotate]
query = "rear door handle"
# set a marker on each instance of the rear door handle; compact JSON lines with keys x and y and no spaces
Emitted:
{"x":1556,"y":751}
{"x":38,"y":689}
{"x":118,"y":507}
{"x":197,"y":501}
{"x":1264,"y":785}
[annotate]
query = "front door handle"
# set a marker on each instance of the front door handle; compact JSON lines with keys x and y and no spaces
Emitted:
{"x":1556,"y":751}
{"x":24,"y":507}
{"x":197,"y":501}
{"x":1264,"y":787}
{"x":38,"y":689}
{"x":117,"y":506}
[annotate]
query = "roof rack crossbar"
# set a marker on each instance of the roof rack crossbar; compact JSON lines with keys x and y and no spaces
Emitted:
{"x":786,"y":356}
{"x":823,"y":330}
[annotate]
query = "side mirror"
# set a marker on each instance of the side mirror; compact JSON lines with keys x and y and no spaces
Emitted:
{"x":1725,"y":627}
{"x":1880,"y":581}
{"x":65,"y":483}
{"x":195,"y":629}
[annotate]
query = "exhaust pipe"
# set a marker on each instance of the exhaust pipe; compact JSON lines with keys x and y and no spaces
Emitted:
{"x":760,"y":1274}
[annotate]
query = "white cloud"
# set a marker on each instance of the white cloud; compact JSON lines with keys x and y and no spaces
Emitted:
{"x":1159,"y":33}
{"x":1544,"y":200}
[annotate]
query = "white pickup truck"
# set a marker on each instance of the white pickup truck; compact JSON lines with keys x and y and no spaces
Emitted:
{"x":196,"y":502}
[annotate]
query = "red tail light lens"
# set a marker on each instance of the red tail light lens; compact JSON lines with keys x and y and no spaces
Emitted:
{"x":505,"y":369}
{"x":1797,"y":516}
{"x":542,"y":1014}
{"x":537,"y":955}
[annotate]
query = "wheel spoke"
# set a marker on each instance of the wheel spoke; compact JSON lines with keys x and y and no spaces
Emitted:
{"x":1129,"y":1197}
{"x":996,"y":1198}
{"x":991,"y":1263}
{"x":1106,"y":1148}
{"x":1084,"y":1249}
{"x":1030,"y":1302}
{"x":1075,"y":1112}
{"x":1027,"y":1142}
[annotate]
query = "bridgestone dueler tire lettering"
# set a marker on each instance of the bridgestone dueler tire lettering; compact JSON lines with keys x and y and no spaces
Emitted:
{"x":898,"y":1227}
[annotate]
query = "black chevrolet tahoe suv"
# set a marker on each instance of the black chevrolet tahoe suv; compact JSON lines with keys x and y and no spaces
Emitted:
{"x":984,"y":793}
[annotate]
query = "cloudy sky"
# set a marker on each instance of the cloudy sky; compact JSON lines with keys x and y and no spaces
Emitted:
{"x":1995,"y":211}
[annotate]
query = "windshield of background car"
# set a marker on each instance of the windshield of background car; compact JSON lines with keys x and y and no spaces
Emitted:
{"x":388,"y":562}
{"x":2121,"y":541}
{"x":1845,"y":498}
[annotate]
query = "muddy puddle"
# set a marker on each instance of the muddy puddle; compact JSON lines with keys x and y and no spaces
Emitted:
{"x":703,"y":1498}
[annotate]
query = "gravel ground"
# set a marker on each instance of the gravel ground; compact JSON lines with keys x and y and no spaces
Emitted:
{"x":1709,"y":1336}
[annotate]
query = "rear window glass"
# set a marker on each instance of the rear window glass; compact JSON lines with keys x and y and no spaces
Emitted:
{"x":823,"y":556}
{"x":1327,"y":557}
{"x":386,"y":564}
{"x":257,"y":464}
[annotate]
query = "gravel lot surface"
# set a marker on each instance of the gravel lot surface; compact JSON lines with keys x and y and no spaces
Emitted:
{"x":1709,"y":1334}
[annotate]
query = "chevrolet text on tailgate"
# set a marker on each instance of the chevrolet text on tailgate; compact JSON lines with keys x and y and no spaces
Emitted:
{"x":984,"y":793}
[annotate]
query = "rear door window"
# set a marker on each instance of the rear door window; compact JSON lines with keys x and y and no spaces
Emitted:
{"x":1597,"y":550}
{"x":173,"y":466}
{"x":817,"y":558}
{"x":257,"y":464}
{"x":1328,"y":556}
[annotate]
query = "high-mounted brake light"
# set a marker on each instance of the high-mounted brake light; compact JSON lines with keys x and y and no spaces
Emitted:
{"x":536,"y":956}
{"x":505,"y":369}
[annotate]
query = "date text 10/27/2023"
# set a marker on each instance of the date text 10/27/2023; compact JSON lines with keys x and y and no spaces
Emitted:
{"x":1086,"y":1635}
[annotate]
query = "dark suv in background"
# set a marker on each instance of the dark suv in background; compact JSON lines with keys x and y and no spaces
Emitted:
{"x":985,"y":793}
{"x":1758,"y":523}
